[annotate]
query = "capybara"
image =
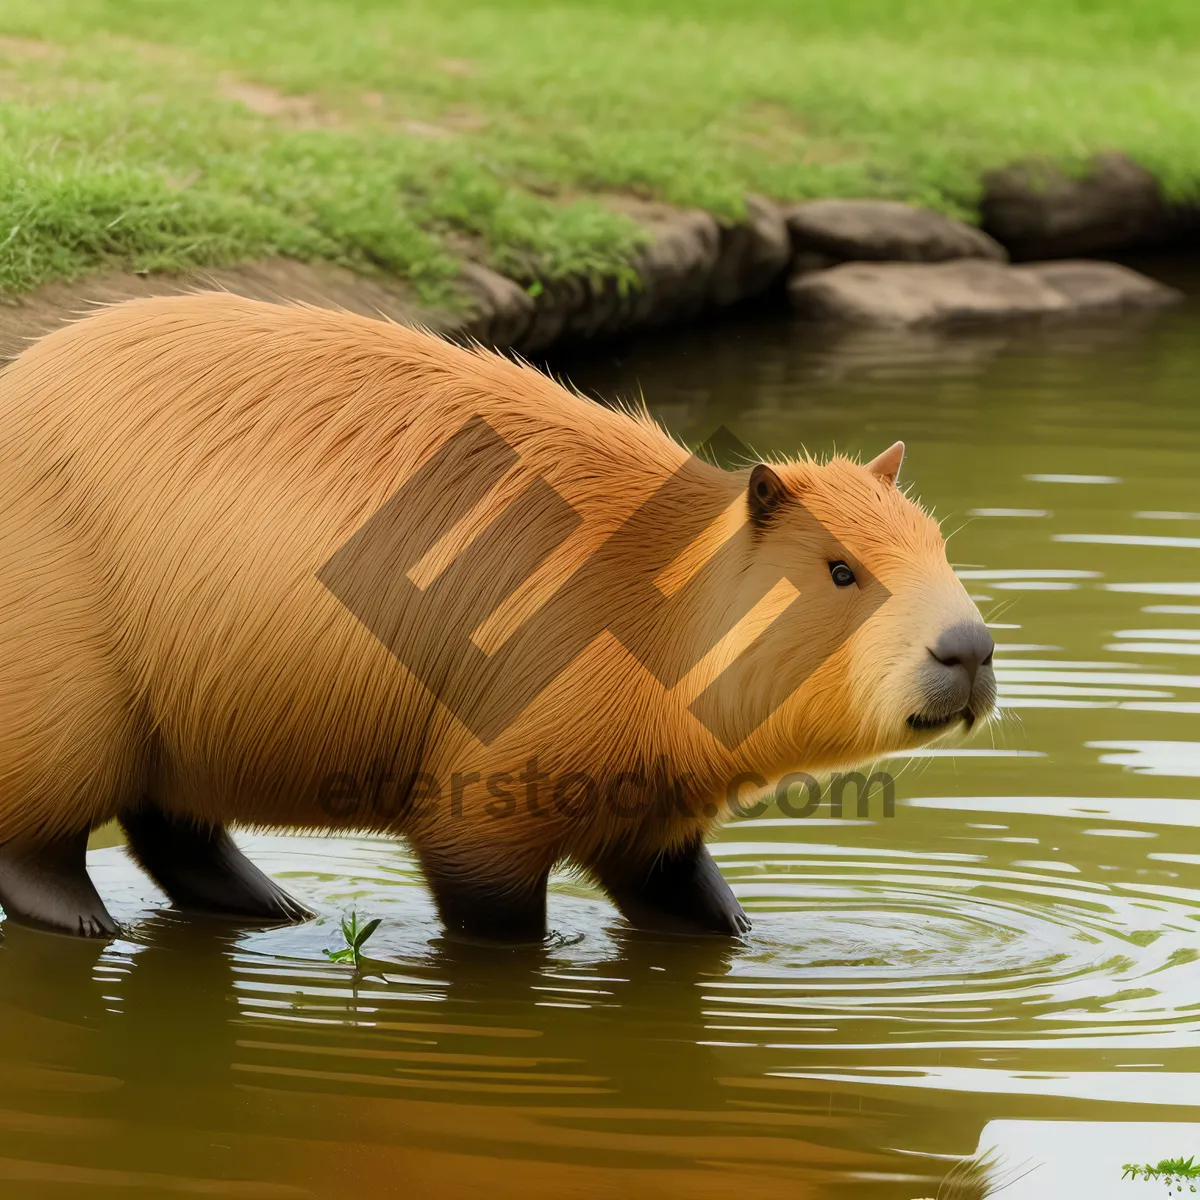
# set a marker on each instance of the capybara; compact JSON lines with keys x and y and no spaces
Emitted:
{"x":288,"y":567}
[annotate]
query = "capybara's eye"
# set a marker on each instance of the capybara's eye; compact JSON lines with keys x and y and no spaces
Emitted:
{"x":842,"y":575}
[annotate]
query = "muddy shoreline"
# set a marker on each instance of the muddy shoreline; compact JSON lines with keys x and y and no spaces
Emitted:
{"x":848,"y":262}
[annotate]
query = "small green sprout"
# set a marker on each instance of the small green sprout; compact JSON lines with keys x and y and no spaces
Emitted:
{"x":356,"y":939}
{"x":1174,"y":1172}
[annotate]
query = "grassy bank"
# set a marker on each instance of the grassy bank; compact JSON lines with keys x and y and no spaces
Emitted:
{"x":392,"y":134}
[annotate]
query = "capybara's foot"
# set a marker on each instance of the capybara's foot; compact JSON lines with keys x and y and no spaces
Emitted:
{"x":47,"y":886}
{"x":491,"y":922}
{"x":497,"y":906}
{"x":202,"y":870}
{"x":681,"y":891}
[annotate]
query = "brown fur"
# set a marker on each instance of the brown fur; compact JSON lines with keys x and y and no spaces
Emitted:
{"x":176,"y":471}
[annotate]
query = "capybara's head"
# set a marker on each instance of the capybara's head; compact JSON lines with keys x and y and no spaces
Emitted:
{"x":882,"y":650}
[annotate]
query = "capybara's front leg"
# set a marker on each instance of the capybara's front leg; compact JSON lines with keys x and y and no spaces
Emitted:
{"x":202,"y":870}
{"x":491,"y":893}
{"x":47,"y":886}
{"x":680,"y":891}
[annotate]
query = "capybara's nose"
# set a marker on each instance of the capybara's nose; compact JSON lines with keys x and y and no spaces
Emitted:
{"x":967,"y":645}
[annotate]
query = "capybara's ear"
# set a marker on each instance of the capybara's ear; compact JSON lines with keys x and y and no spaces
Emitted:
{"x":765,"y":495}
{"x":887,"y":465}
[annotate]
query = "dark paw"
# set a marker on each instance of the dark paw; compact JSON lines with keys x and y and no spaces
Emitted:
{"x":293,"y":911}
{"x":734,"y":922}
{"x":95,"y":925}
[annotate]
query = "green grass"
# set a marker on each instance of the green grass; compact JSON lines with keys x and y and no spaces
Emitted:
{"x":402,"y":133}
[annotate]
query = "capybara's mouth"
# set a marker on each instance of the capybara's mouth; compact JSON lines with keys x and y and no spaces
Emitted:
{"x":926,"y":722}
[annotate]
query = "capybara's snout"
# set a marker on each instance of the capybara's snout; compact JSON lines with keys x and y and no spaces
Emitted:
{"x":956,"y":682}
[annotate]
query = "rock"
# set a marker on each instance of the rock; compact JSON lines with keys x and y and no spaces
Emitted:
{"x":502,"y":311}
{"x":1097,"y":285}
{"x":674,"y":269}
{"x":553,"y":307}
{"x":805,"y":262}
{"x":908,"y":294}
{"x":753,"y":254}
{"x":884,"y":231}
{"x":1039,"y":212}
{"x":903,"y":294}
{"x":689,"y":262}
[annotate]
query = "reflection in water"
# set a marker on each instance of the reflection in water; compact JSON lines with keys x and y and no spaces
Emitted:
{"x":239,"y":1055}
{"x":1018,"y":944}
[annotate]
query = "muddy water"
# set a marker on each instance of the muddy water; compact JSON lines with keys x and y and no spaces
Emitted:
{"x":1019,"y":942}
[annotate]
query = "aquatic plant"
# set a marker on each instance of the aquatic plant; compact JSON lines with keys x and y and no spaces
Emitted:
{"x":356,"y":937}
{"x":1174,"y":1172}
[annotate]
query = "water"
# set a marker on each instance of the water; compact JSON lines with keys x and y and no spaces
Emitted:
{"x":1019,"y":943}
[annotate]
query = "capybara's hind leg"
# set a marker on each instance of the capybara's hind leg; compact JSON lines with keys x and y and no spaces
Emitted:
{"x":679,"y":891}
{"x":48,"y":887}
{"x":202,"y":870}
{"x":68,"y":736}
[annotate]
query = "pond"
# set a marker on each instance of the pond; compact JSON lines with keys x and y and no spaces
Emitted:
{"x":1019,"y":941}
